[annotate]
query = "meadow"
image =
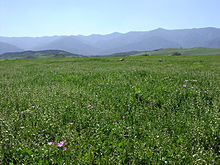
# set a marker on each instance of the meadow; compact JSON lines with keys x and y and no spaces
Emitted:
{"x":108,"y":110}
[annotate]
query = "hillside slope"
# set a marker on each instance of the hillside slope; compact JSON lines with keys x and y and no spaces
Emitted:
{"x":5,"y":47}
{"x":190,"y":51}
{"x":38,"y":54}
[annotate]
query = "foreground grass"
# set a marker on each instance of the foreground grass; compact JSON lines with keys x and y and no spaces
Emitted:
{"x":143,"y":110}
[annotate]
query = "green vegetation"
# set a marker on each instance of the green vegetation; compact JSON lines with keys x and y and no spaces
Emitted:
{"x":140,"y":110}
{"x":37,"y":54}
{"x":192,"y":51}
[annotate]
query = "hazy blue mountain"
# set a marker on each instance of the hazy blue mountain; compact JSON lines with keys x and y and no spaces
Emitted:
{"x":121,"y":42}
{"x":149,"y":44}
{"x":215,"y":43}
{"x":95,"y":39}
{"x":5,"y":47}
{"x":70,"y":44}
{"x":28,"y":43}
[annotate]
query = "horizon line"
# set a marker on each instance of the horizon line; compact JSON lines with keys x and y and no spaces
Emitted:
{"x":92,"y":34}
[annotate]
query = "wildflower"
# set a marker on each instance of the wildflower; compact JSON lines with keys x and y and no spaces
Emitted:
{"x":1,"y":119}
{"x":61,"y":143}
{"x":50,"y":143}
{"x":26,"y":111}
{"x":90,"y":106}
{"x":33,"y":106}
{"x":184,"y":85}
{"x":65,"y":148}
{"x":71,"y":123}
{"x":21,"y":127}
{"x":167,"y":78}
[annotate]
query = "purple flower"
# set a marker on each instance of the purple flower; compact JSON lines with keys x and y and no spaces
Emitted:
{"x":33,"y":106}
{"x":21,"y":127}
{"x":50,"y":143}
{"x":184,"y":86}
{"x":65,"y":148}
{"x":71,"y":123}
{"x":61,"y":143}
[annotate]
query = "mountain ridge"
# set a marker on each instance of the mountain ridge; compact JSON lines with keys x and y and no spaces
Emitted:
{"x":119,"y":42}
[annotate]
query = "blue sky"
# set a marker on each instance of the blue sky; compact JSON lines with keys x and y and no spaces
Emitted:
{"x":72,"y":17}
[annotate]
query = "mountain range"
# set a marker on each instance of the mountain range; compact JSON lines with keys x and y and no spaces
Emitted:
{"x":116,"y":42}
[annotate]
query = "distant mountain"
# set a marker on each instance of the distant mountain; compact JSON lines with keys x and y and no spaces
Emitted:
{"x":149,"y":44}
{"x":118,"y":42}
{"x":5,"y":47}
{"x":214,"y":43}
{"x":70,"y":44}
{"x":38,"y":54}
{"x":28,"y":43}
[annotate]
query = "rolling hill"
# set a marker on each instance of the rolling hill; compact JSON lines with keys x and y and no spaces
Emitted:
{"x":197,"y":51}
{"x":38,"y":54}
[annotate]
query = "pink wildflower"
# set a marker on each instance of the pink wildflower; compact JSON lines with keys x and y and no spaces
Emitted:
{"x":184,"y":85}
{"x":21,"y":127}
{"x":61,"y":143}
{"x":71,"y":123}
{"x":50,"y":143}
{"x":65,"y":148}
{"x":33,"y":106}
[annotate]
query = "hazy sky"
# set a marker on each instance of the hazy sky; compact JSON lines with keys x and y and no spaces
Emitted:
{"x":71,"y":17}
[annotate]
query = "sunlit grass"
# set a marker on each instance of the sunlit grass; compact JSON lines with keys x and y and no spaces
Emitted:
{"x":142,"y":110}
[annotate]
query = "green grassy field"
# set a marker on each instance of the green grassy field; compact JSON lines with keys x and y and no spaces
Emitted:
{"x":140,"y":110}
{"x":198,"y":51}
